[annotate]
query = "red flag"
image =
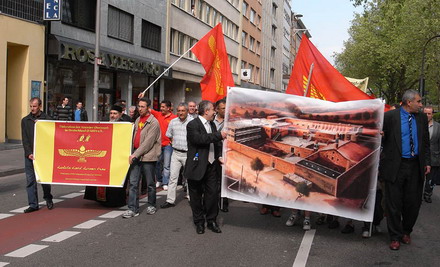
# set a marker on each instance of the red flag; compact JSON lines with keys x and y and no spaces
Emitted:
{"x":211,"y":52}
{"x":326,"y":83}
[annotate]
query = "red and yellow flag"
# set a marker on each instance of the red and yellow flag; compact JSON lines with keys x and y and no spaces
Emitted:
{"x":211,"y":52}
{"x":326,"y":83}
{"x":82,"y":153}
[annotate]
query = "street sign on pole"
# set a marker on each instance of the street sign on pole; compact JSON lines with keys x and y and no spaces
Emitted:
{"x":52,"y":10}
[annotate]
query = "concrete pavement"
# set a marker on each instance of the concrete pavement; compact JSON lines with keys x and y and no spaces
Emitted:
{"x":11,"y":159}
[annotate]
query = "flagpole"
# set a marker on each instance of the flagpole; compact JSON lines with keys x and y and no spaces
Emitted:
{"x":143,"y":93}
{"x":308,"y":80}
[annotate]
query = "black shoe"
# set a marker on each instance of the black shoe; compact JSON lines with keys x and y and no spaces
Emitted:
{"x":167,"y":205}
{"x":348,"y":229}
{"x":333,"y":224}
{"x":428,"y":199}
{"x":49,"y":204}
{"x":200,"y":229}
{"x":30,"y":209}
{"x":213,"y":226}
{"x":225,"y":209}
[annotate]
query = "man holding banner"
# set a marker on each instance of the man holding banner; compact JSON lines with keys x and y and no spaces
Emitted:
{"x":405,"y":162}
{"x":147,"y":148}
{"x":27,"y":135}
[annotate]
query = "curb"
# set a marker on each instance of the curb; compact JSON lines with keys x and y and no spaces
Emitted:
{"x":11,"y":172}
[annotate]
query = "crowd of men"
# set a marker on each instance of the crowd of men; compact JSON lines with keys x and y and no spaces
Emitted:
{"x":164,"y":144}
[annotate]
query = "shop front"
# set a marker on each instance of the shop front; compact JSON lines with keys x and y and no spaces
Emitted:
{"x":121,"y":76}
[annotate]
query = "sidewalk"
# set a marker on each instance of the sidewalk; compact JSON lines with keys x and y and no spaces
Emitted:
{"x":11,"y":159}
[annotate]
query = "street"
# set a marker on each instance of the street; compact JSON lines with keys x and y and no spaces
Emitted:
{"x":168,"y":238}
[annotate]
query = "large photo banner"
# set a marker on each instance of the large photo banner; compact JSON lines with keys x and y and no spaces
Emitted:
{"x":82,"y":153}
{"x":302,"y":153}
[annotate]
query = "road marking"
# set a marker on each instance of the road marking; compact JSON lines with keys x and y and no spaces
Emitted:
{"x":26,"y":251}
{"x":144,"y":199}
{"x":112,"y":214}
{"x":82,"y":191}
{"x":5,"y":215}
{"x":19,"y":210}
{"x":89,"y":224}
{"x":3,"y":263}
{"x":162,"y":193}
{"x":72,"y":195}
{"x":61,"y":236}
{"x":304,"y":249}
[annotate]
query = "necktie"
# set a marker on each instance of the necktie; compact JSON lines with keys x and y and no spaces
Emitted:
{"x":211,"y":156}
{"x":411,"y":141}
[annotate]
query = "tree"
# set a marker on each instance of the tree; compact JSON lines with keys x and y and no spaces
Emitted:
{"x":257,"y":165}
{"x":386,"y":43}
{"x":247,"y":115}
{"x":262,"y":114}
{"x":302,"y":189}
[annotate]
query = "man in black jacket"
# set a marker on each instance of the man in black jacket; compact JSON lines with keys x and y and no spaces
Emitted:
{"x":64,"y":111}
{"x":27,"y":135}
{"x":404,"y":163}
{"x":202,"y":163}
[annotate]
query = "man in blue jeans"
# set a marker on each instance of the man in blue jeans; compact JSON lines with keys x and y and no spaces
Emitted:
{"x":147,"y":148}
{"x":27,"y":136}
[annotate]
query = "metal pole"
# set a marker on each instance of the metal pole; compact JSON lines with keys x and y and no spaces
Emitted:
{"x":422,"y":73}
{"x":96,"y":66}
{"x":308,"y":80}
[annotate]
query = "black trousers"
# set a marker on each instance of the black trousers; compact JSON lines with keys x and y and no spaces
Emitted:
{"x":203,"y":196}
{"x":403,"y":199}
{"x":431,"y":180}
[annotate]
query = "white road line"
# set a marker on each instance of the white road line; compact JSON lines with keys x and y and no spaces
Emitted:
{"x":162,"y":193}
{"x":89,"y":224}
{"x":5,"y":215}
{"x":19,"y":210}
{"x":26,"y":251}
{"x":72,"y":195}
{"x":145,"y":199}
{"x":60,"y":236}
{"x":126,"y":206}
{"x":304,"y":249}
{"x":82,"y":191}
{"x":3,"y":263}
{"x":112,"y":214}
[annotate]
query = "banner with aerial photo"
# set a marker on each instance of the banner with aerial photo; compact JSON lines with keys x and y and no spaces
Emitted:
{"x":82,"y":153}
{"x":302,"y":153}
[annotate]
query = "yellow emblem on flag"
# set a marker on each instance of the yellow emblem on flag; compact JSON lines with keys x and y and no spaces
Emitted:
{"x":82,"y":153}
{"x":314,"y":93}
{"x":216,"y":66}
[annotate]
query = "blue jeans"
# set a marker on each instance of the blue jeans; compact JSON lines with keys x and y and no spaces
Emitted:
{"x":147,"y":169}
{"x":163,"y":175}
{"x":31,"y":185}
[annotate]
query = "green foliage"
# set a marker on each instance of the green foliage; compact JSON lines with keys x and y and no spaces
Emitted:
{"x":386,"y":43}
{"x":436,"y":116}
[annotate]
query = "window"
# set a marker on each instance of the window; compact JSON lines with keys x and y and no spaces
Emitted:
{"x":200,"y":7}
{"x":251,"y":67}
{"x":214,"y":17}
{"x":181,"y":43}
{"x":120,"y":24}
{"x":258,"y":48}
{"x":208,"y":14}
{"x":151,"y":36}
{"x":244,"y":10}
{"x":182,"y":4}
{"x":272,"y":52}
{"x":272,"y":74}
{"x":243,"y":38}
{"x":252,"y":16}
{"x":257,"y":75}
{"x":251,"y":43}
{"x":274,"y":9}
{"x":79,"y":13}
{"x":243,"y":64}
{"x":274,"y":30}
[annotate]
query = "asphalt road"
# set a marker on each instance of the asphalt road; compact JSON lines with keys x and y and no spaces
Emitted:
{"x":168,"y":238}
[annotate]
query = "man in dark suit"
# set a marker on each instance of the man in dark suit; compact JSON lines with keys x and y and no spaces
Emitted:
{"x":204,"y":149}
{"x":434,"y":138}
{"x":405,"y":162}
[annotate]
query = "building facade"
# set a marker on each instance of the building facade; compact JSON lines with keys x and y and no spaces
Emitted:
{"x":287,"y":59}
{"x":132,"y":52}
{"x":272,"y":49}
{"x":21,"y":63}
{"x":251,"y":43}
{"x":189,"y":21}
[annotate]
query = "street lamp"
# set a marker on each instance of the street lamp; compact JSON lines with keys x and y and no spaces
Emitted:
{"x":422,"y":74}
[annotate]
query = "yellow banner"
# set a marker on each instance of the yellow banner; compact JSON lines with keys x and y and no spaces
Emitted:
{"x":82,"y":153}
{"x":362,"y":84}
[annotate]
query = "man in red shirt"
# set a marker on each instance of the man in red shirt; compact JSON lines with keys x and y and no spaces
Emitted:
{"x":164,"y":117}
